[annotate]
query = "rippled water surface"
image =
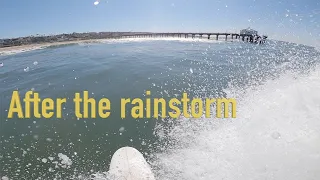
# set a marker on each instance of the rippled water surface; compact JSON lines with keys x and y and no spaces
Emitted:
{"x":275,"y":134}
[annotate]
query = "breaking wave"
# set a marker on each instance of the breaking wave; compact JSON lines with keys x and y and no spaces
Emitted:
{"x":275,"y":136}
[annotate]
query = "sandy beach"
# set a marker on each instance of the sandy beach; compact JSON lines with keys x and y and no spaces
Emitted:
{"x":31,"y":47}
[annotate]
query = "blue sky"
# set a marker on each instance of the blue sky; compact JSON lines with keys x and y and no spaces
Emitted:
{"x":289,"y":20}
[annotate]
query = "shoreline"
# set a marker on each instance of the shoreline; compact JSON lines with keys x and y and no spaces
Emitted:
{"x":30,"y":47}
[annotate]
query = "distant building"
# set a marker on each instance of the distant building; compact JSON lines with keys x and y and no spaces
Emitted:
{"x":248,"y":31}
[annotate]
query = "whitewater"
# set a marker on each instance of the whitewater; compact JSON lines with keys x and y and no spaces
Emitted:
{"x":275,"y":136}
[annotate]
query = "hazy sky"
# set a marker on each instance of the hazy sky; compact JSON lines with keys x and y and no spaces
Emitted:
{"x":288,"y":20}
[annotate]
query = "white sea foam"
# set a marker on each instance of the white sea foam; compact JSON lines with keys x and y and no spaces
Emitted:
{"x":20,"y":50}
{"x":276,"y":136}
{"x":65,"y":160}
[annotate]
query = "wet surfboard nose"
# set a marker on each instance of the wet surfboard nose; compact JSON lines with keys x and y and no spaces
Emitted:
{"x":127,"y":163}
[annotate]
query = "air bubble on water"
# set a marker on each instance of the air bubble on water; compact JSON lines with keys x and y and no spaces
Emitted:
{"x":1,"y":64}
{"x":26,"y":69}
{"x":131,"y":140}
{"x":276,"y":135}
{"x":35,"y":63}
{"x":50,"y":158}
{"x":191,"y":70}
{"x":96,"y":3}
{"x":49,"y":139}
{"x":44,"y":160}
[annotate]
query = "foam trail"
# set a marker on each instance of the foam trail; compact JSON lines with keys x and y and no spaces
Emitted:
{"x":276,"y":136}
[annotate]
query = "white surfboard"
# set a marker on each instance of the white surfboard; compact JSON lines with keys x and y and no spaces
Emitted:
{"x":128,"y":163}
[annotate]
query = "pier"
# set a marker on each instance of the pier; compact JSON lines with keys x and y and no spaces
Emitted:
{"x":247,"y":35}
{"x":215,"y":36}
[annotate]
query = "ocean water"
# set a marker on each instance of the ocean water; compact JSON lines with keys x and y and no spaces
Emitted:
{"x":276,"y":133}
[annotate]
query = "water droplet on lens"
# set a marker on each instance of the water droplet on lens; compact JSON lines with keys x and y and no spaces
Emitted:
{"x":276,"y":135}
{"x":44,"y":160}
{"x":26,"y":69}
{"x":121,"y":129}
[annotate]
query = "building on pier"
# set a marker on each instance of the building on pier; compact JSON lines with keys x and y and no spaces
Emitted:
{"x":248,"y":32}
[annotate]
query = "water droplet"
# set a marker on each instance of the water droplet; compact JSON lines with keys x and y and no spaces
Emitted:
{"x":36,"y":137}
{"x":44,"y":160}
{"x":26,"y":69}
{"x":276,"y":135}
{"x":121,"y":129}
{"x":4,"y":178}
